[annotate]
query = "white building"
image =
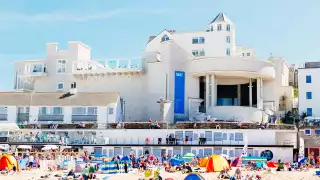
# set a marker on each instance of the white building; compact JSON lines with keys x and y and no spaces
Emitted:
{"x":202,"y":73}
{"x":307,"y":85}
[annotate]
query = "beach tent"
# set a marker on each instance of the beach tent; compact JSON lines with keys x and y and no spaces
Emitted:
{"x":272,"y":164}
{"x":217,"y":163}
{"x":203,"y":162}
{"x":126,"y":158}
{"x":194,"y":176}
{"x":8,"y":161}
{"x":188,"y":157}
{"x":260,"y":161}
{"x":237,"y":162}
{"x":176,"y":162}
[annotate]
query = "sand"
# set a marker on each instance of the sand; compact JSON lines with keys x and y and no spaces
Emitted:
{"x":287,"y":175}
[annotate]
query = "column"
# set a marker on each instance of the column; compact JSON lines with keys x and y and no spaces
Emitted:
{"x":259,"y":94}
{"x":207,"y":93}
{"x":67,"y":114}
{"x":12,"y":114}
{"x":239,"y":94}
{"x":213,"y":90}
{"x":250,"y":92}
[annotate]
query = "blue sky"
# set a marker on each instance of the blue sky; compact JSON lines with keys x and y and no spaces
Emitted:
{"x":121,"y":28}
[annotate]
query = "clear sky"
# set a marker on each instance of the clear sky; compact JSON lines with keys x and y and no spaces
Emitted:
{"x":120,"y":28}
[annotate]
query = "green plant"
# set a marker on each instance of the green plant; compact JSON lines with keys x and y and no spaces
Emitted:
{"x":295,"y":93}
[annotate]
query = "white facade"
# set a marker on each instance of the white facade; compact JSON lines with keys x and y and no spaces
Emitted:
{"x":202,"y":73}
{"x":309,"y":96}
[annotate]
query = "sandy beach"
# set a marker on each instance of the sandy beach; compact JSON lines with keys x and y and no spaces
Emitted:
{"x":286,"y":175}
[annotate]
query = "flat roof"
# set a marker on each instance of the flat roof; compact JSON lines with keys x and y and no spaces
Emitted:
{"x":53,"y":99}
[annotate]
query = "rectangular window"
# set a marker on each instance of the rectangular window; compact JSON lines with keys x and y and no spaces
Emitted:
{"x":195,"y":41}
{"x":92,"y":110}
{"x":219,"y":28}
{"x":78,"y":110}
{"x":231,"y":136}
{"x":309,"y":95}
{"x":57,"y":110}
{"x":179,"y":135}
{"x":61,"y":66}
{"x":60,"y":86}
{"x":231,"y":153}
{"x":217,"y":150}
{"x":228,"y":52}
{"x":228,"y":39}
{"x":110,"y":111}
{"x":309,"y":111}
{"x":201,"y":40}
{"x":43,"y":110}
{"x":228,"y":27}
{"x":248,"y":54}
{"x":3,"y":110}
{"x":238,"y":136}
{"x":225,"y":136}
{"x":202,"y":53}
{"x":208,"y":135}
{"x":308,"y":79}
{"x":217,"y":136}
{"x":195,"y":53}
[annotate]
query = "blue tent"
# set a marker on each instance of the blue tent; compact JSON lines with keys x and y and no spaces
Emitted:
{"x":126,"y":158}
{"x":176,"y":162}
{"x":302,"y":161}
{"x":194,"y":176}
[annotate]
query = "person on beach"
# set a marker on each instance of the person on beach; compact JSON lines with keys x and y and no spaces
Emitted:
{"x":125,"y":167}
{"x":85,"y":173}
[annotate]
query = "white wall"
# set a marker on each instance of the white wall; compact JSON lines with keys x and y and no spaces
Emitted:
{"x":313,"y":87}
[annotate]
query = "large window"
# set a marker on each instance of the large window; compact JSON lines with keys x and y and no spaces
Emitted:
{"x":84,"y":110}
{"x":308,"y":79}
{"x":219,"y":27}
{"x":51,"y":110}
{"x":208,"y":135}
{"x":3,"y":110}
{"x":308,"y":95}
{"x":198,"y":40}
{"x":217,"y":136}
{"x":61,"y":66}
{"x":238,"y":136}
{"x":198,"y":53}
{"x":228,"y":39}
{"x":60,"y":86}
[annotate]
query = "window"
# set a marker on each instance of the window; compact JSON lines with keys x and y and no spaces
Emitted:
{"x":217,"y":136}
{"x":231,"y":153}
{"x":57,"y":110}
{"x":195,"y":40}
{"x":78,"y":110}
{"x":43,"y":110}
{"x":198,"y":40}
{"x":248,"y":54}
{"x":198,"y":53}
{"x":308,"y":79}
{"x":3,"y":110}
{"x":231,"y":137}
{"x":73,"y":85}
{"x":60,"y":86}
{"x":211,"y":28}
{"x":309,"y":111}
{"x":228,"y":27}
{"x":110,"y":111}
{"x":317,"y":131}
{"x":92,"y":110}
{"x":307,"y":131}
{"x":61,"y":66}
{"x":219,"y":28}
{"x":225,"y":136}
{"x":201,"y":40}
{"x":238,"y":136}
{"x":165,"y":38}
{"x":309,"y":95}
{"x":228,"y":52}
{"x":228,"y":39}
{"x":195,"y":53}
{"x":202,"y":53}
{"x":217,"y":150}
{"x":208,"y":135}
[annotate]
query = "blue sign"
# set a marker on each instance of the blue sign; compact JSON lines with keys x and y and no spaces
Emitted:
{"x":179,"y":92}
{"x":267,"y":154}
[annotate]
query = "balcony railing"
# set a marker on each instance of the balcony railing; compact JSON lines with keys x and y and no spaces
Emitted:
{"x":3,"y":117}
{"x":22,"y":118}
{"x":79,"y":118}
{"x":47,"y":117}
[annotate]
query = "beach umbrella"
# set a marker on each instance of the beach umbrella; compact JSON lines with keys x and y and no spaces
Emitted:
{"x":237,"y":162}
{"x":188,"y":157}
{"x":49,"y":147}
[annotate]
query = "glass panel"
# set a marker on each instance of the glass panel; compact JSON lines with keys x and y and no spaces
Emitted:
{"x":3,"y":110}
{"x":231,"y":136}
{"x":194,"y":40}
{"x":126,"y":151}
{"x":60,"y":85}
{"x":43,"y":110}
{"x":231,"y":153}
{"x":201,"y":40}
{"x":110,"y":111}
{"x":217,"y":136}
{"x":92,"y":111}
{"x":186,"y":150}
{"x":238,"y":136}
{"x":238,"y":152}
{"x":117,"y":151}
{"x":57,"y":110}
{"x":207,"y":152}
{"x":176,"y":151}
{"x":217,"y":150}
{"x":78,"y":111}
{"x":250,"y":152}
{"x":157,"y":152}
{"x":111,"y":153}
{"x":208,"y":135}
{"x":225,"y":136}
{"x":189,"y":134}
{"x":179,"y":135}
{"x":201,"y":153}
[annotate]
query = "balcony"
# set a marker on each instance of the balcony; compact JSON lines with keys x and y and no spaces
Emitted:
{"x":22,"y":117}
{"x":35,"y":70}
{"x":85,"y":118}
{"x":50,"y":117}
{"x":3,"y":117}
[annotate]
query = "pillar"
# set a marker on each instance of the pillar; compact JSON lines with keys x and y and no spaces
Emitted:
{"x":239,"y":94}
{"x":207,"y":93}
{"x":250,"y":92}
{"x":213,"y":90}
{"x":259,"y":94}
